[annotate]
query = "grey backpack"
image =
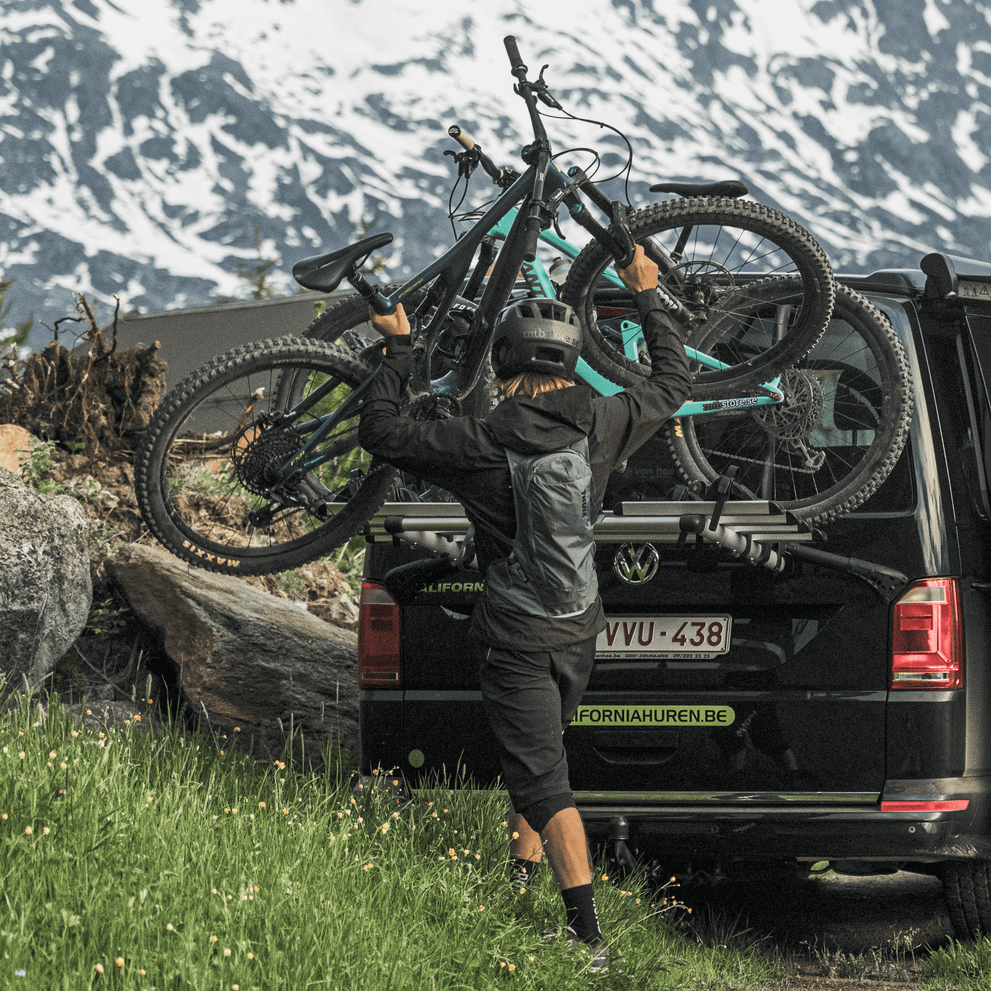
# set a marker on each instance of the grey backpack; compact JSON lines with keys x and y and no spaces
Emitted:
{"x":551,"y":570}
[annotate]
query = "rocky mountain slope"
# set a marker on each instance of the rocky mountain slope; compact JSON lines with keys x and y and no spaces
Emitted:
{"x":141,"y":141}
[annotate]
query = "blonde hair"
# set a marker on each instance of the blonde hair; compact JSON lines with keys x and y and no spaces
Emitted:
{"x":531,"y":384}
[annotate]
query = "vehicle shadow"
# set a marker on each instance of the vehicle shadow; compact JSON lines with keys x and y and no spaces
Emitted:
{"x":848,"y":926}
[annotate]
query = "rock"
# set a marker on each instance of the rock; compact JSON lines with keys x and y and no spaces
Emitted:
{"x":247,"y":659}
{"x":14,"y":441}
{"x":46,"y":590}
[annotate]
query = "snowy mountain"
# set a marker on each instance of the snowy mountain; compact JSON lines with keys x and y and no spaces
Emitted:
{"x":142,"y":141}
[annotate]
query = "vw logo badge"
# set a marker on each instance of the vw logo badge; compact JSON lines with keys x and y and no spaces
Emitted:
{"x":636,"y":564}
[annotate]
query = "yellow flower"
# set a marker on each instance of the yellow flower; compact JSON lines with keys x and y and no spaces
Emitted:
{"x":512,"y":967}
{"x":28,"y":830}
{"x":46,"y":831}
{"x":516,"y":835}
{"x":75,"y":733}
{"x":52,"y":755}
{"x":64,"y":766}
{"x":119,"y":961}
{"x":99,"y":968}
{"x":21,"y":755}
{"x":213,"y":939}
{"x":227,"y":953}
{"x":261,"y":805}
{"x":169,"y":926}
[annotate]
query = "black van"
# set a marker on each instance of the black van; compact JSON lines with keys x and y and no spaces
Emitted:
{"x":834,"y":710}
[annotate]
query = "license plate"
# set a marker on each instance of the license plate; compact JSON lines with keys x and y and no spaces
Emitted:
{"x":646,"y":637}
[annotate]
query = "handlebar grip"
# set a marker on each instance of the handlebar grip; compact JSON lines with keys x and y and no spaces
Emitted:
{"x":462,"y":139}
{"x":514,"y":53}
{"x":533,"y":228}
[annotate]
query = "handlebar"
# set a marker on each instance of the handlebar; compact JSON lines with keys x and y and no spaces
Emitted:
{"x":517,"y":63}
{"x":462,"y":139}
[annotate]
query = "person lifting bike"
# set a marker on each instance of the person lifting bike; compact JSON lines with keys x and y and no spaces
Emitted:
{"x":534,"y":661}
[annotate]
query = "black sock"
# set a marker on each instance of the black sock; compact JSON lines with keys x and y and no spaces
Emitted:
{"x":523,"y":871}
{"x":579,"y":904}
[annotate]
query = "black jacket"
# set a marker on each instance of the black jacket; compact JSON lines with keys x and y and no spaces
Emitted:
{"x":465,"y":455}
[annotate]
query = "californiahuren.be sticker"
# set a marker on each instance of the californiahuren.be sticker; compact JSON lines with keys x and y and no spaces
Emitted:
{"x":639,"y":716}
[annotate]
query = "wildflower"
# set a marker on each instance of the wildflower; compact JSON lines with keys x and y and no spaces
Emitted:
{"x":511,"y":967}
{"x":261,"y":805}
{"x":367,"y":867}
{"x":385,"y":828}
{"x":251,"y":956}
{"x":99,"y":968}
{"x":213,"y":939}
{"x":281,"y":765}
{"x":46,"y":831}
{"x":4,"y":816}
{"x":169,"y":926}
{"x":28,"y":830}
{"x":452,"y":854}
{"x":20,"y":973}
{"x":516,"y":835}
{"x":119,"y":961}
{"x":22,"y":755}
{"x":64,"y":766}
{"x":605,"y":877}
{"x":227,"y":952}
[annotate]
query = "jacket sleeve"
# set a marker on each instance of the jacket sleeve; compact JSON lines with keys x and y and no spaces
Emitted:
{"x":624,"y":422}
{"x":435,"y":450}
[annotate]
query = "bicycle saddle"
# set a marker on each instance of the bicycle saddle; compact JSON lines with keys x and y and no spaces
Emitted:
{"x":731,"y":187}
{"x":326,"y":272}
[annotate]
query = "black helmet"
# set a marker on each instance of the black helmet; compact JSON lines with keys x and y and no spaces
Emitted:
{"x":536,"y":335}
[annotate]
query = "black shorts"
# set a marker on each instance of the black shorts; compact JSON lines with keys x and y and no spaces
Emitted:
{"x":530,"y":698}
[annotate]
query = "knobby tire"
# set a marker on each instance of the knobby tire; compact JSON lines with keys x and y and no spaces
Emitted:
{"x":849,"y":401}
{"x":206,"y":461}
{"x":717,"y":247}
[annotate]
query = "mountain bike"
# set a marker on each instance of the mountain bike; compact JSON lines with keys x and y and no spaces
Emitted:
{"x":267,"y":432}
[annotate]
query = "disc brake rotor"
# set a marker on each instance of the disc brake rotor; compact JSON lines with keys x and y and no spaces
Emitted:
{"x":800,"y":412}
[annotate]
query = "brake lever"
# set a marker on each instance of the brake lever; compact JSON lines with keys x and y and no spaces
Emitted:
{"x":544,"y":94}
{"x":467,"y":161}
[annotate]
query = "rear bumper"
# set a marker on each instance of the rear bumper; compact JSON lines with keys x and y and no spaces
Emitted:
{"x":809,"y":831}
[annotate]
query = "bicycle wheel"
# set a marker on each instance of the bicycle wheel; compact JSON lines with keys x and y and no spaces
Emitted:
{"x":710,"y":250}
{"x":210,"y":472}
{"x":837,"y":435}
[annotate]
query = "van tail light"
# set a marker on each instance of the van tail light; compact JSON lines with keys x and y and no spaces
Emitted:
{"x":927,"y":636}
{"x":378,"y":638}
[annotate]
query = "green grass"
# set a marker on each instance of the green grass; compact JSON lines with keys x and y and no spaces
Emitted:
{"x":137,"y":861}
